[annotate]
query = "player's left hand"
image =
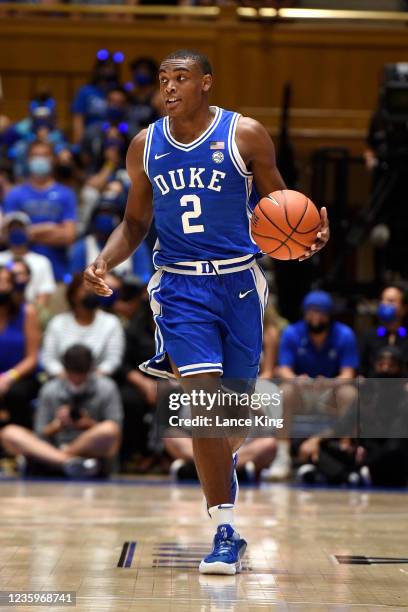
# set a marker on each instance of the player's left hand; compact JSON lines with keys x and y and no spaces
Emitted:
{"x":322,"y":236}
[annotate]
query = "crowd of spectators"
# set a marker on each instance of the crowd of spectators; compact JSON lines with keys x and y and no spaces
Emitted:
{"x":72,"y":398}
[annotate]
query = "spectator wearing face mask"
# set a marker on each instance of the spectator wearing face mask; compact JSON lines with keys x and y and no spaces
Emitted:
{"x":85,"y":323}
{"x":41,"y":282}
{"x":119,"y":115}
{"x":41,"y":125}
{"x":390,"y":330}
{"x":89,"y":105}
{"x":143,"y":90}
{"x":317,"y":361}
{"x":104,"y":220}
{"x":51,"y":208}
{"x":77,"y":422}
{"x":19,"y":353}
{"x":112,"y":161}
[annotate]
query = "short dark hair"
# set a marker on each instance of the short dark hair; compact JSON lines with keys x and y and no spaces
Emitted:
{"x":144,"y":62}
{"x":78,"y":358}
{"x":71,"y":290}
{"x":13,"y":307}
{"x":200,"y":59}
{"x":391,"y":351}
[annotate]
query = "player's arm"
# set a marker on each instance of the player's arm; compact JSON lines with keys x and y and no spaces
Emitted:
{"x":136,"y":222}
{"x":257,"y":150}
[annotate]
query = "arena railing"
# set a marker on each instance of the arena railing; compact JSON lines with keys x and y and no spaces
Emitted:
{"x":204,"y":12}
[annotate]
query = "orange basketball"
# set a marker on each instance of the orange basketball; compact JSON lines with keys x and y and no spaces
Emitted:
{"x":285,"y":224}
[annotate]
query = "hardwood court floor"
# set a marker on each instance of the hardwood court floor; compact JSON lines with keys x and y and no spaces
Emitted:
{"x":62,"y":536}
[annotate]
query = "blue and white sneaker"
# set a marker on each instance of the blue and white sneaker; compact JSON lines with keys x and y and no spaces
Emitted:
{"x":225,"y":557}
{"x":234,"y":480}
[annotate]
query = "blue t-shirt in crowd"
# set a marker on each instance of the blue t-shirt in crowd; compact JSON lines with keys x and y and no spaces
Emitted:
{"x":90,"y":101}
{"x":55,"y":204}
{"x":299,"y":353}
{"x":12,"y":341}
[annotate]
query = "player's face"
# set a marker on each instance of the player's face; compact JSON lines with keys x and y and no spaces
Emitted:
{"x":182,"y":86}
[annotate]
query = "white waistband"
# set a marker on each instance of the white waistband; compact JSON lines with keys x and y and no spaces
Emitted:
{"x":210,"y":267}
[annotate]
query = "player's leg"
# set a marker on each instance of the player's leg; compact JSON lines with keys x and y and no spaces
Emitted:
{"x":187,"y":313}
{"x":215,"y":464}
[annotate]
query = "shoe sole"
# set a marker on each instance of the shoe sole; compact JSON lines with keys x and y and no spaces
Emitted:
{"x":218,"y":567}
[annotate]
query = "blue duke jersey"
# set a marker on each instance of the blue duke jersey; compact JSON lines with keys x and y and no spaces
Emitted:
{"x":201,"y":193}
{"x":208,"y":295}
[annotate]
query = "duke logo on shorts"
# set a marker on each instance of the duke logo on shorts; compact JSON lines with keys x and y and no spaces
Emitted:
{"x":208,"y":295}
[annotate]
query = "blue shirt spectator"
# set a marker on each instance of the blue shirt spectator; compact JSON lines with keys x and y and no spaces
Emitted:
{"x":51,"y":208}
{"x":90,"y":101}
{"x":318,"y":346}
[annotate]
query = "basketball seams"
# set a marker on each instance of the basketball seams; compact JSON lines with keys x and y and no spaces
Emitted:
{"x":285,"y":209}
{"x":288,"y":237}
{"x":312,"y":229}
{"x":305,"y":246}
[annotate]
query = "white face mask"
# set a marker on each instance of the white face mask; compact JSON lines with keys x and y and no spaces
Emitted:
{"x":76,"y":389}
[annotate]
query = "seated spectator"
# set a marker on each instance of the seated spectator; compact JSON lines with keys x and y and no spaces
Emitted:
{"x":51,"y":208}
{"x":40,"y":126}
{"x":41,"y":283}
{"x":317,"y":359}
{"x":138,"y":391}
{"x":119,"y":114}
{"x":77,"y":422}
{"x":143,"y":90}
{"x":391,"y":330}
{"x":105,"y":218}
{"x":87,"y":324}
{"x":66,"y":170}
{"x":379,"y":419}
{"x":112,"y":159}
{"x":89,"y":105}
{"x":19,"y":353}
{"x":114,"y":193}
{"x":6,"y":180}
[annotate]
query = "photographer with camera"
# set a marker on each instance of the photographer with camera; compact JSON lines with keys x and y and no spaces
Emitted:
{"x":78,"y":421}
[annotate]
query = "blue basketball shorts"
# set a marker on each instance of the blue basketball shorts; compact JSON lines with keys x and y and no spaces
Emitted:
{"x":209,"y":323}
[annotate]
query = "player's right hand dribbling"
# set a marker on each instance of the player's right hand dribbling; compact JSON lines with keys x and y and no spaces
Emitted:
{"x":94,"y":278}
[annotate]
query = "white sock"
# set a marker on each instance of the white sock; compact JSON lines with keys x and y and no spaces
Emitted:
{"x":222,"y":514}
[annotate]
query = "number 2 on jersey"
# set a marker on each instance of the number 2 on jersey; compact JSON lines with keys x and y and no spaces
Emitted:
{"x":191,"y":214}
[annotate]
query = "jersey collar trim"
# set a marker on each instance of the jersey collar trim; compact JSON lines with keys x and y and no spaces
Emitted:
{"x":198,"y":141}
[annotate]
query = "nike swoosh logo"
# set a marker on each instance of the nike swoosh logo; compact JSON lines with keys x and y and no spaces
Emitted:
{"x":160,"y":156}
{"x":245,"y":293}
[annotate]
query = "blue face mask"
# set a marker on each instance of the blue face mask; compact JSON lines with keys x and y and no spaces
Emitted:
{"x":39,"y":165}
{"x":108,"y":300}
{"x":105,"y":224}
{"x":20,"y":286}
{"x":113,"y":113}
{"x":387,"y":313}
{"x":142,"y":78}
{"x":17,"y":237}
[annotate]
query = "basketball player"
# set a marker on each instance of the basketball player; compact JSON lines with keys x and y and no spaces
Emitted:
{"x":194,"y":171}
